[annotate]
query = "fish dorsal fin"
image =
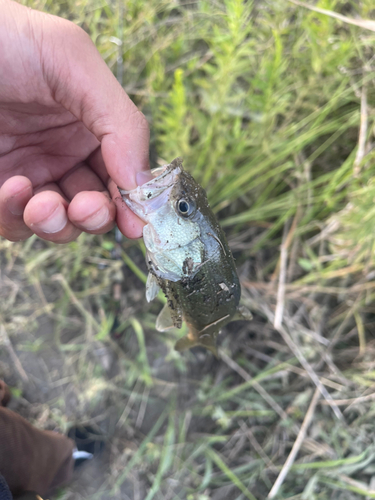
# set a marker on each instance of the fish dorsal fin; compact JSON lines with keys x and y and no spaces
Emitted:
{"x":187,"y":342}
{"x":242,"y":313}
{"x":152,"y":287}
{"x":167,"y":319}
{"x":177,"y":162}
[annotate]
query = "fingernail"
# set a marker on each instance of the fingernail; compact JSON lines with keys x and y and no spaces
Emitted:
{"x":14,"y":206}
{"x":143,"y":177}
{"x":55,"y":222}
{"x":97,"y":220}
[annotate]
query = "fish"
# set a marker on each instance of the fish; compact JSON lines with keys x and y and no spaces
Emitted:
{"x":188,"y":257}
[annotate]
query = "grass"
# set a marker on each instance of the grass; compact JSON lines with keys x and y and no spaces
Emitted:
{"x":265,"y":101}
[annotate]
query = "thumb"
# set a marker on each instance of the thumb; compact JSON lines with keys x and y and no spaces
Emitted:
{"x":80,"y":81}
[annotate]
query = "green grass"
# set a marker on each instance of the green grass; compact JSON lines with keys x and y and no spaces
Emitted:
{"x":263,"y":101}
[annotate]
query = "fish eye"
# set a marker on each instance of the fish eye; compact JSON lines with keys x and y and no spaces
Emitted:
{"x":185,"y":207}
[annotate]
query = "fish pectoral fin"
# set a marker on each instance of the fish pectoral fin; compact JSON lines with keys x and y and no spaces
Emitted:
{"x":242,"y":313}
{"x":190,"y":340}
{"x":166,"y":321}
{"x":152,"y":287}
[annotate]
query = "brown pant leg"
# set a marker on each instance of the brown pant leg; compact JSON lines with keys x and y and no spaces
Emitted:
{"x":32,"y":459}
{"x":4,"y":394}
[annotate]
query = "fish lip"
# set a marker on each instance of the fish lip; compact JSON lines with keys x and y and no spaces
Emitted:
{"x":153,"y":194}
{"x":159,"y":173}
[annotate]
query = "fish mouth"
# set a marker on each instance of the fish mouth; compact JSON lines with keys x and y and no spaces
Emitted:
{"x":152,"y":195}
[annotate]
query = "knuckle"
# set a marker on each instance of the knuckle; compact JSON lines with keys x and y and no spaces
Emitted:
{"x":63,"y":27}
{"x":139,"y":119}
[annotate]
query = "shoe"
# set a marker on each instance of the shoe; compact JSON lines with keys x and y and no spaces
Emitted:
{"x":89,"y":443}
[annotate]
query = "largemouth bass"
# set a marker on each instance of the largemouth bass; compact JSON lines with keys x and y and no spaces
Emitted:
{"x":188,"y":256}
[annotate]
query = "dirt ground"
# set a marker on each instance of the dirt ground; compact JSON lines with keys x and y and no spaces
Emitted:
{"x":49,"y":368}
{"x":80,"y":347}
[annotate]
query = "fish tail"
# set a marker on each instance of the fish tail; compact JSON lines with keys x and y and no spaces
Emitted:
{"x":189,"y":341}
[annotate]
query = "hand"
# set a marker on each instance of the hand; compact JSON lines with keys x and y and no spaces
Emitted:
{"x":69,"y":134}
